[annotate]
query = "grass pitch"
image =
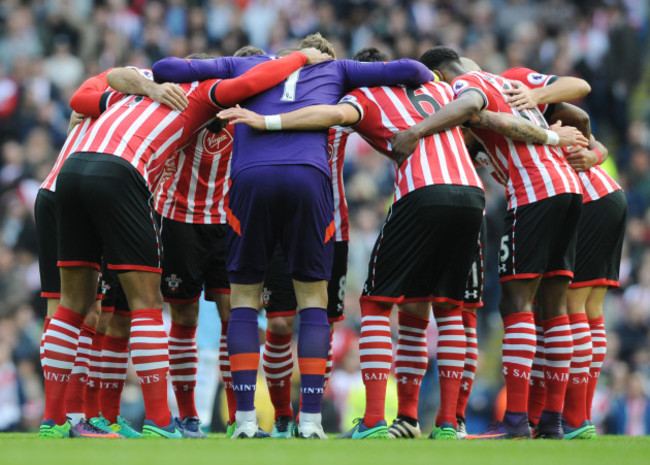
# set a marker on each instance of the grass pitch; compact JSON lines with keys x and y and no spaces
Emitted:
{"x":612,"y":450}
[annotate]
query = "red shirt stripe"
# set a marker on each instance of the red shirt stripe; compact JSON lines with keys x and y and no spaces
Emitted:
{"x":438,"y":159}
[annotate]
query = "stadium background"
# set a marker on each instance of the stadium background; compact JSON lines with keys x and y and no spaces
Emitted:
{"x":48,"y":47}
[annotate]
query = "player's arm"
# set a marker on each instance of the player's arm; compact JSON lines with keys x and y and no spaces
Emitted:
{"x":229,"y":92}
{"x":75,"y":118}
{"x":562,"y":89}
{"x":130,"y":81}
{"x":172,"y":69}
{"x":583,"y":158}
{"x":90,"y":99}
{"x":455,"y":113}
{"x":311,"y":118}
{"x":404,"y":71}
{"x":518,"y":128}
{"x":571,"y":115}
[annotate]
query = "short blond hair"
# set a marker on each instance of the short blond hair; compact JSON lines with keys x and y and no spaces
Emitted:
{"x":318,"y":42}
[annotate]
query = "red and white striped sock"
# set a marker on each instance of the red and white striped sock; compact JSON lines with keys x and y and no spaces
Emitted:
{"x":575,"y":401}
{"x":226,"y":377}
{"x":330,"y":360}
{"x":471,"y":361}
{"x":150,"y":356}
{"x":599,"y":343}
{"x":183,"y":363}
{"x":92,"y":404}
{"x":451,"y":360}
{"x":411,"y":362}
{"x":45,"y":325}
{"x":277,"y":365}
{"x":518,"y":353}
{"x":558,"y":350}
{"x":537,"y":394}
{"x":376,"y":353}
{"x":60,"y":348}
{"x":115,"y":362}
{"x":75,"y":393}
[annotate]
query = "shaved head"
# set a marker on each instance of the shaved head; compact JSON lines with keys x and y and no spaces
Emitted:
{"x":469,"y":64}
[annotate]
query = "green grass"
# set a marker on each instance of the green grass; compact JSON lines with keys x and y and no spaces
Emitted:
{"x":614,"y":450}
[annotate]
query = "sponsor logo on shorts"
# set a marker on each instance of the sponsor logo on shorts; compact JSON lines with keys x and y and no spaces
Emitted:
{"x":173,"y":283}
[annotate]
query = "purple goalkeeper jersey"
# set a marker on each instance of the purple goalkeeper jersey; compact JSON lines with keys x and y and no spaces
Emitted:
{"x":320,"y":84}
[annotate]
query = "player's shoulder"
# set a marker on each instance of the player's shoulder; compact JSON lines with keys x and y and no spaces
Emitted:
{"x":526,"y":75}
{"x":464,"y":81}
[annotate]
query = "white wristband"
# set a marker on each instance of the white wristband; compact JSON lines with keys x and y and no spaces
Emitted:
{"x":274,"y":122}
{"x":552,"y":137}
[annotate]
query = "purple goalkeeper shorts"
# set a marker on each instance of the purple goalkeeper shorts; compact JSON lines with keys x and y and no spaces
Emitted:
{"x":290,"y":205}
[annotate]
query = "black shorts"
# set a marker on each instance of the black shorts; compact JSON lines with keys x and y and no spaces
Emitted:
{"x":539,"y":238}
{"x":426,"y":246}
{"x":476,"y":279}
{"x":45,"y":217}
{"x":104,"y":209}
{"x":600,"y":241}
{"x":194,"y":260}
{"x":113,"y":297}
{"x":279,"y":298}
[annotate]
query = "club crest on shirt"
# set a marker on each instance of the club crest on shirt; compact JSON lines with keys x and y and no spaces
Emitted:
{"x":460,"y":85}
{"x":173,"y":282}
{"x":214,"y":144}
{"x":535,"y":78}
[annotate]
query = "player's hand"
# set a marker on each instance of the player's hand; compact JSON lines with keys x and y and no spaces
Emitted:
{"x":168,"y":94}
{"x":581,"y":158}
{"x":75,"y":118}
{"x":569,"y":135}
{"x":238,"y":114}
{"x":314,"y":55}
{"x":520,"y":96}
{"x":404,"y":144}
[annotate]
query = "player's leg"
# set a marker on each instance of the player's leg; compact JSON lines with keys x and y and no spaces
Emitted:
{"x":336,"y":296}
{"x":552,"y":299}
{"x":313,"y":349}
{"x":411,"y":361}
{"x":594,"y":310}
{"x":307,"y":241}
{"x":574,"y":414}
{"x":473,"y":299}
{"x":45,"y":222}
{"x":92,"y":405}
{"x":189,"y":251}
{"x":79,"y":257}
{"x":132,"y":249}
{"x":537,"y":390}
{"x":115,"y":358}
{"x":217,"y":290}
{"x":279,"y":301}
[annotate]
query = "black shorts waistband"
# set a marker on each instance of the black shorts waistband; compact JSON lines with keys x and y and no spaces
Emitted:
{"x":445,"y":195}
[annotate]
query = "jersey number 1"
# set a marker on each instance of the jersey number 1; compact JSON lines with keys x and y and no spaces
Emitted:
{"x":289,"y":92}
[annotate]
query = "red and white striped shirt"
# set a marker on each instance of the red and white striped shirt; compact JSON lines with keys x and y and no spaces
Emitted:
{"x":438,"y":159}
{"x":595,"y":182}
{"x":529,"y":172}
{"x":198,"y":190}
{"x":71,"y":144}
{"x":146,"y":133}
{"x":338,"y":138}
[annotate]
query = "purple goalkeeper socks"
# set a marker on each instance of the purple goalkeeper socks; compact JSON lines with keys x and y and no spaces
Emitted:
{"x":244,"y":350}
{"x":313,"y":347}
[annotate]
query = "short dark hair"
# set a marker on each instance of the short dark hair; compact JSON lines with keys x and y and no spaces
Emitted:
{"x":249,"y":51}
{"x":283,"y":52}
{"x":369,"y":55}
{"x":439,"y":57}
{"x":200,"y":56}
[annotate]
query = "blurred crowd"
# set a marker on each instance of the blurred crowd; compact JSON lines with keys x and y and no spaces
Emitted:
{"x":47,"y":48}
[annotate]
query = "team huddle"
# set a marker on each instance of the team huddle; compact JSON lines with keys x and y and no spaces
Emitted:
{"x":167,"y":189}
